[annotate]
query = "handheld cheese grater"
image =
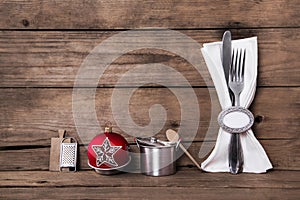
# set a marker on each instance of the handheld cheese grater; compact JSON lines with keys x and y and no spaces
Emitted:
{"x":68,"y":155}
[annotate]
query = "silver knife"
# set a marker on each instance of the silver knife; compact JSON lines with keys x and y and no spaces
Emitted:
{"x":235,"y":152}
{"x":226,"y":54}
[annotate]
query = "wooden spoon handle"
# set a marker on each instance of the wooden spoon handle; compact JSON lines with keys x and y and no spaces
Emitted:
{"x":189,"y":155}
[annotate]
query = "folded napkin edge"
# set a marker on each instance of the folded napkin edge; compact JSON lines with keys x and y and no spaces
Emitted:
{"x":233,"y":41}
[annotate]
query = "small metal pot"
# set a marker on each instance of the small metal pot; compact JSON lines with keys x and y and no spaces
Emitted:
{"x":158,"y":158}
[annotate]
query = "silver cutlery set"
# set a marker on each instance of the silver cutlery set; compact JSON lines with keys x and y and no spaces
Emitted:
{"x":233,"y":62}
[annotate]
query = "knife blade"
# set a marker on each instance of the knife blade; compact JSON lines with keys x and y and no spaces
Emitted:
{"x":226,"y":54}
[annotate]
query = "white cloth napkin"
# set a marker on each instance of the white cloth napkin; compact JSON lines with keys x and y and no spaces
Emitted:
{"x":255,"y":158}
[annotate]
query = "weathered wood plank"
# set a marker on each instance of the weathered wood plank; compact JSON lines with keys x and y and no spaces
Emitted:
{"x":33,"y":116}
{"x":98,"y":14}
{"x":185,"y":178}
{"x":52,"y":59}
{"x":147,"y":193}
{"x":30,"y":117}
{"x":281,"y":153}
{"x":186,"y":183}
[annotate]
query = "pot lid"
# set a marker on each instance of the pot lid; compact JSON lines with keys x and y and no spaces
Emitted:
{"x":154,"y":142}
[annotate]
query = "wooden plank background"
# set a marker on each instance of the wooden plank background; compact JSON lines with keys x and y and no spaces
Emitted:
{"x":52,"y":58}
{"x":105,"y":14}
{"x":130,"y":186}
{"x":43,"y":43}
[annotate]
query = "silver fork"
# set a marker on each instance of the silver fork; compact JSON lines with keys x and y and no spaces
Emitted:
{"x":236,"y":74}
{"x":236,"y":85}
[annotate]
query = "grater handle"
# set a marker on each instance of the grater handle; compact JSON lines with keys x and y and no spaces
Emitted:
{"x":61,"y":133}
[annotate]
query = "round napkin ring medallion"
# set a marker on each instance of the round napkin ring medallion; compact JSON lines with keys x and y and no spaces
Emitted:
{"x":236,"y":119}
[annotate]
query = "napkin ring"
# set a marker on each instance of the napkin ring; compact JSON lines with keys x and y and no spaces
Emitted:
{"x":235,"y":119}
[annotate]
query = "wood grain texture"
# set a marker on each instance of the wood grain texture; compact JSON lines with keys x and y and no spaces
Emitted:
{"x":187,"y":184}
{"x":281,"y":153}
{"x":33,"y":116}
{"x":185,"y":178}
{"x":52,"y":59}
{"x":42,"y":45}
{"x":147,"y":193}
{"x":96,"y":14}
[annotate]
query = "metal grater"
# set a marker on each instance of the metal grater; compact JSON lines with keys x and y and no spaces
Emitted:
{"x":68,"y":154}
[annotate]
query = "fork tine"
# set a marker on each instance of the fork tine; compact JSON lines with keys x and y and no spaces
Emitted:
{"x":238,"y":65}
{"x":243,"y":66}
{"x":233,"y":65}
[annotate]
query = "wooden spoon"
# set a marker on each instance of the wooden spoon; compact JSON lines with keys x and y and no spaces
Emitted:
{"x":174,"y":137}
